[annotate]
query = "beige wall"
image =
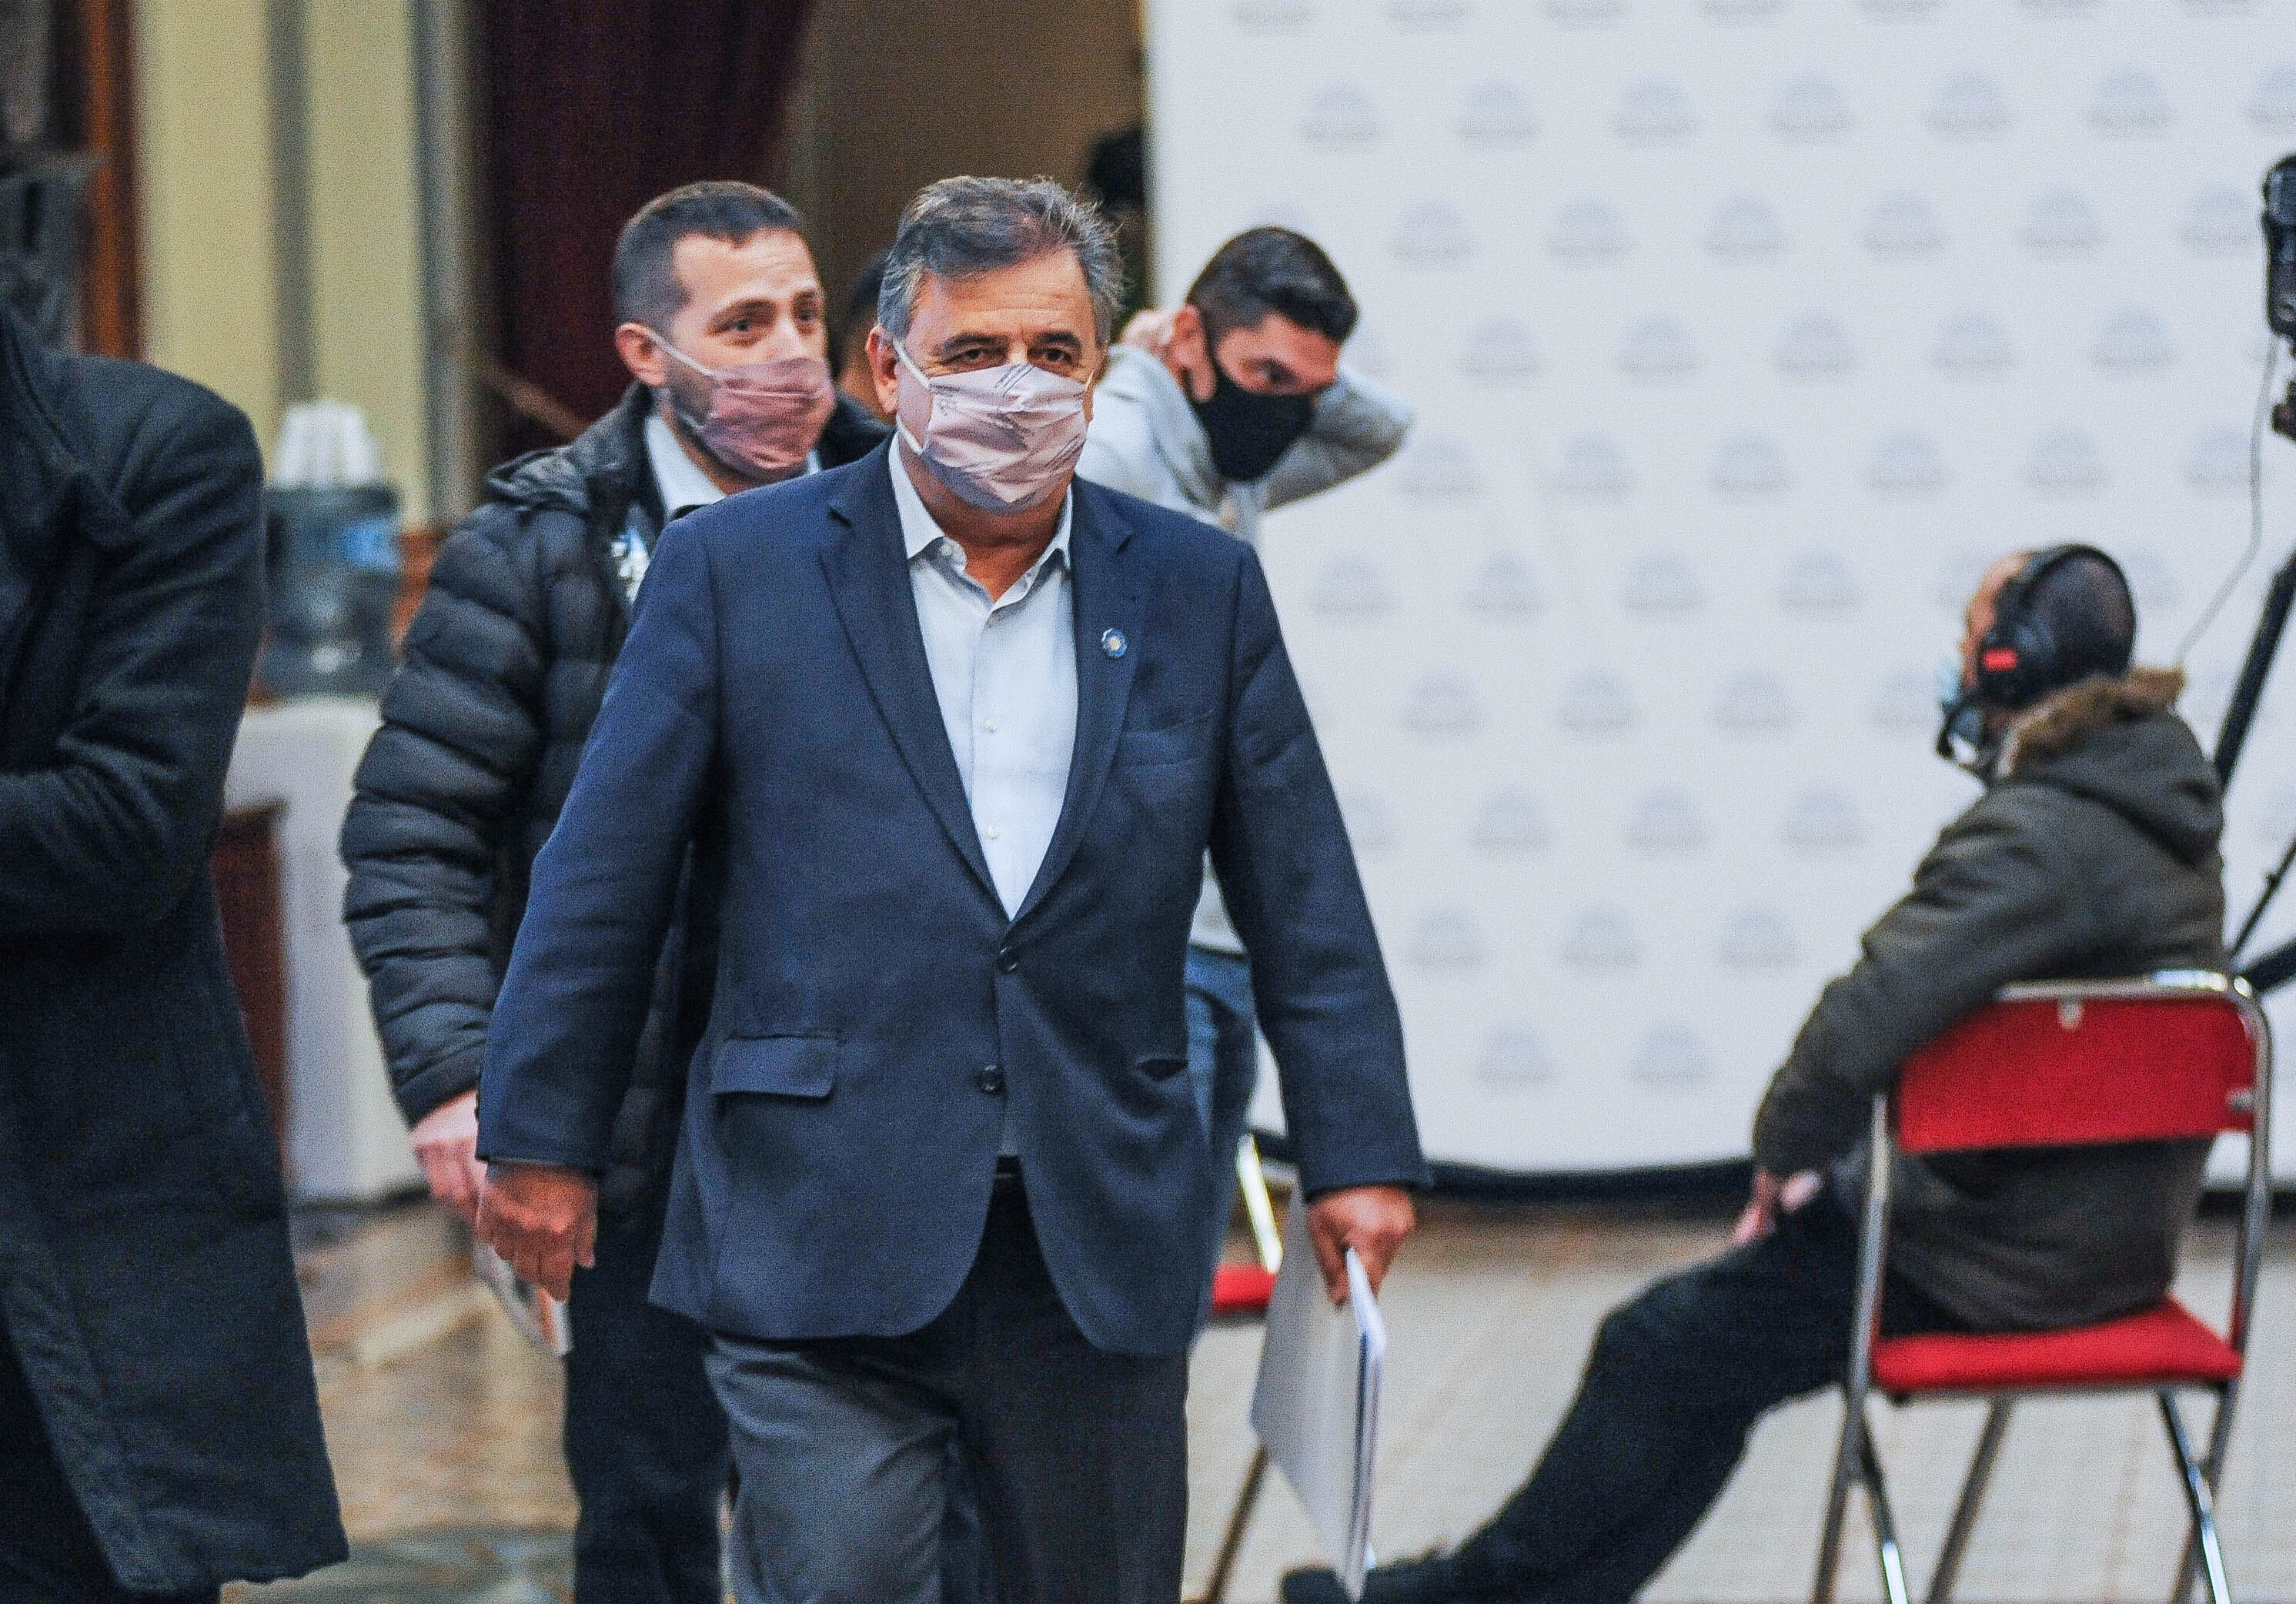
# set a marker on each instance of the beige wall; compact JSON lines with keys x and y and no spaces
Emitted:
{"x":283,"y":254}
{"x":366,"y":319}
{"x":225,"y":204}
{"x":897,"y":92}
{"x":205,"y":180}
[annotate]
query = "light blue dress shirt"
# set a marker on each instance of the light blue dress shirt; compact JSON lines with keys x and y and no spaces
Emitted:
{"x":1005,"y":672}
{"x":683,"y":488}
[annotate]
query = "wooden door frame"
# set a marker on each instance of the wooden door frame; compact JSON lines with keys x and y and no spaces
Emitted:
{"x":96,"y":64}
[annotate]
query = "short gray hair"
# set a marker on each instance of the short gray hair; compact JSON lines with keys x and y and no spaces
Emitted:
{"x":959,"y":228}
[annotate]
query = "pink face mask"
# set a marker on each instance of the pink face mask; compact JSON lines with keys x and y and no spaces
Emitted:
{"x":1001,"y":439}
{"x":764,"y":416}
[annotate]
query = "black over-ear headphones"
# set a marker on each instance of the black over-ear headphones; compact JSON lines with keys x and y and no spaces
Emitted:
{"x":2020,"y":660}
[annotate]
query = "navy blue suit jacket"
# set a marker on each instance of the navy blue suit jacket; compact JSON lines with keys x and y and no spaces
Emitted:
{"x":875,"y":1009}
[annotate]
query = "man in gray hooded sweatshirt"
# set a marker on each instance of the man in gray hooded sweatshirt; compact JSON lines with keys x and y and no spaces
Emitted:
{"x":1228,"y":407}
{"x":2091,"y":853}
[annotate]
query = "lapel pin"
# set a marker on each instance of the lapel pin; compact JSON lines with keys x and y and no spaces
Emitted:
{"x":1112,"y":642}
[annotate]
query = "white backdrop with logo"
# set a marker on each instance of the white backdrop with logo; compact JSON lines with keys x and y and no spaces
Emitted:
{"x":1743,"y":333}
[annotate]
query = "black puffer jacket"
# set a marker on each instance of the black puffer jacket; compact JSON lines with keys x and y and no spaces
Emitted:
{"x":483,"y":727}
{"x":2091,"y":854}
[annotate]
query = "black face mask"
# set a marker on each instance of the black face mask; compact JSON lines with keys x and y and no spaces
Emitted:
{"x":1962,"y":738}
{"x":1248,"y":431}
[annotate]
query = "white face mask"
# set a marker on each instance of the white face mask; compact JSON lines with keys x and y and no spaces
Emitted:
{"x":1001,"y":439}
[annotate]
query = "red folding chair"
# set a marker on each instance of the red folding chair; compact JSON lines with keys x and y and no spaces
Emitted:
{"x":2066,"y":1063}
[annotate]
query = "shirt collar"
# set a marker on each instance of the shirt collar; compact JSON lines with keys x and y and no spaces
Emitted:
{"x":920,"y":530}
{"x":683,"y":484}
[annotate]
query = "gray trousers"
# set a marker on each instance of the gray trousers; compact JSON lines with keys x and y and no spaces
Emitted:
{"x":1078,"y":1457}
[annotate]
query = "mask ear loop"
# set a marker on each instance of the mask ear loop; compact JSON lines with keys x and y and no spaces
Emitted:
{"x":662,"y":340}
{"x":686,"y":420}
{"x":901,"y":424}
{"x":901,"y":350}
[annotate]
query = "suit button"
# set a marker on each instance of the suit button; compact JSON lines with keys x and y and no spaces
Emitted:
{"x":991,"y":1080}
{"x":1007,"y":960}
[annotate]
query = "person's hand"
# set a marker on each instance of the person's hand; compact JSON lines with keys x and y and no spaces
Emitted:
{"x":1760,"y":1217}
{"x":1149,"y":330}
{"x":1772,"y":1197}
{"x":543,"y":1219}
{"x":1373,"y":1220}
{"x":446,"y":1145}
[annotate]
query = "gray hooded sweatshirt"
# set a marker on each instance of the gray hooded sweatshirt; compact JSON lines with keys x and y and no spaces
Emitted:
{"x":1146,"y":441}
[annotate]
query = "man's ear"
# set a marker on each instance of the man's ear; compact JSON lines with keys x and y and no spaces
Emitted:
{"x":1189,"y":353}
{"x":884,"y":371}
{"x":641,"y":352}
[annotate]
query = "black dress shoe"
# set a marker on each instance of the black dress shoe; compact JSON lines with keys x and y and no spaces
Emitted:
{"x":1426,"y":1580}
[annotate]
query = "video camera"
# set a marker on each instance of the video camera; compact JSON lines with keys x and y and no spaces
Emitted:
{"x":2277,"y":967}
{"x":2280,"y":273}
{"x":2280,"y":248}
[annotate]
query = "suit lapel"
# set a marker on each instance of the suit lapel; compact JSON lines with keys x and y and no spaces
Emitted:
{"x":1109,"y":610}
{"x":868,"y":576}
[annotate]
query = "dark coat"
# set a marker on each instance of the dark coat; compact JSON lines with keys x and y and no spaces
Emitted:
{"x":506,"y":661}
{"x":2092,"y":856}
{"x":876,"y":1011}
{"x":145,"y":1273}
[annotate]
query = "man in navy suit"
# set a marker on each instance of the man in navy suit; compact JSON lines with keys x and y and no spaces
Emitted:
{"x":951,"y":731}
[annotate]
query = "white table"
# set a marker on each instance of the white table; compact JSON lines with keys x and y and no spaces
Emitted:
{"x":345,"y":1140}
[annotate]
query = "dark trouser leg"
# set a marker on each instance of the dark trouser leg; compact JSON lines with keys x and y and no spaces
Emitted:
{"x":843,"y":1449}
{"x":645,"y":1437}
{"x":1077,"y":1458}
{"x":1676,"y":1381}
{"x":48,"y":1553}
{"x":1082,"y":1455}
{"x":966,"y":1577}
{"x":1223,"y":1066}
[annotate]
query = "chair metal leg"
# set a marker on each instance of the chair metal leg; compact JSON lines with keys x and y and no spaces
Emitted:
{"x":1972,"y":1494}
{"x":2200,"y":1498}
{"x":1238,"y":1521}
{"x":2212,"y":1472}
{"x":1837,"y":1501}
{"x":1855,"y":1456}
{"x":1885,"y":1527}
{"x":1251,"y":1182}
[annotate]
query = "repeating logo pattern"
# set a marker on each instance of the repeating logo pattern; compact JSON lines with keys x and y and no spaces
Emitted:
{"x":1745,"y":335}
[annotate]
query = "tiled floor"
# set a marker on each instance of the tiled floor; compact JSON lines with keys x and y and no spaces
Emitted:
{"x":444,"y":1429}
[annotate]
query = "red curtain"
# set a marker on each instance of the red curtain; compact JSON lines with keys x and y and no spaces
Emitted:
{"x":593,"y":107}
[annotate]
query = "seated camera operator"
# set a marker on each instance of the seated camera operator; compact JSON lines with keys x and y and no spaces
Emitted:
{"x":2092,"y":853}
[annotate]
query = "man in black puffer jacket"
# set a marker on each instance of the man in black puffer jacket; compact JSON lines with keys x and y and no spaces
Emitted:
{"x":2091,"y":854}
{"x":720,"y":315}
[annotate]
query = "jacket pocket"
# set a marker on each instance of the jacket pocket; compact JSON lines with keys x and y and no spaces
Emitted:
{"x":788,"y":1066}
{"x":1190,"y":742}
{"x":1161,"y":1066}
{"x":1186,"y":723}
